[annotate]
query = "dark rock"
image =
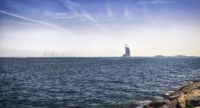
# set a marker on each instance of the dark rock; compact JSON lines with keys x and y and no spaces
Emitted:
{"x":171,"y":104}
{"x":155,"y":104}
{"x":193,"y":102}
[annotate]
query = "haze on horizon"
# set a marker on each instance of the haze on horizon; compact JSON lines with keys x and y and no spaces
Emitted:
{"x":99,"y":27}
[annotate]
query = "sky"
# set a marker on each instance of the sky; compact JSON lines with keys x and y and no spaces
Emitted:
{"x":99,"y":28}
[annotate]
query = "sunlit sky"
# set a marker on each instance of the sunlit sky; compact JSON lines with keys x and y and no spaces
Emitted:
{"x":99,"y":27}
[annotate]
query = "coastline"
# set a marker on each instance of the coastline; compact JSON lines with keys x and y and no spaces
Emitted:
{"x":187,"y":96}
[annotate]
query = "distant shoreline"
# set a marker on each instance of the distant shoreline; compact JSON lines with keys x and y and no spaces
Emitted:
{"x":115,"y":57}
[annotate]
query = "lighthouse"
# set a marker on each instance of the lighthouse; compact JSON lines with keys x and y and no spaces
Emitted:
{"x":127,"y":51}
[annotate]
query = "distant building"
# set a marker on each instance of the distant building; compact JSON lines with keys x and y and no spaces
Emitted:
{"x":127,"y":51}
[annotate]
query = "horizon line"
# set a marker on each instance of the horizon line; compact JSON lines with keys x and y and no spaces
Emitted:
{"x":156,"y":56}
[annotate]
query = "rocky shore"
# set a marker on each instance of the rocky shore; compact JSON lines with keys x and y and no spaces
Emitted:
{"x":188,"y":96}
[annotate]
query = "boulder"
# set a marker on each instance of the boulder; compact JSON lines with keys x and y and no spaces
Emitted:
{"x":195,"y":102}
{"x":155,"y":104}
{"x":188,"y":96}
{"x":184,"y":89}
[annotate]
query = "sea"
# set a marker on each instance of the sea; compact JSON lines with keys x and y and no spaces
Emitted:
{"x":98,"y":82}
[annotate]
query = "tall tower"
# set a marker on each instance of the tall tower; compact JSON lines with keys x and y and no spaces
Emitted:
{"x":127,"y":51}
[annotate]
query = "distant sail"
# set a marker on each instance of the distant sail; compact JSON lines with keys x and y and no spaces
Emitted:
{"x":127,"y":51}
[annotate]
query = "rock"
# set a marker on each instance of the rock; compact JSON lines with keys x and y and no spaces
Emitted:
{"x":187,"y":96}
{"x":158,"y":98}
{"x":191,"y":98}
{"x":155,"y":104}
{"x":171,"y":104}
{"x":189,"y":87}
{"x":193,"y":102}
{"x":168,"y":93}
{"x":184,"y":89}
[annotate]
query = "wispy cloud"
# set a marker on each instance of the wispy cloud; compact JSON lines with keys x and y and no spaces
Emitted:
{"x":89,"y":17}
{"x":72,"y":6}
{"x":37,"y":22}
{"x":80,"y":12}
{"x":60,"y":15}
{"x":126,"y":12}
{"x":109,"y":11}
{"x":161,"y":2}
{"x":155,"y":2}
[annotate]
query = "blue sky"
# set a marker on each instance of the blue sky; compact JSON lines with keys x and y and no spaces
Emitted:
{"x":99,"y":27}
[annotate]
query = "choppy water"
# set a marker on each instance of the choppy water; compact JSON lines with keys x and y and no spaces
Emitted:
{"x":90,"y":82}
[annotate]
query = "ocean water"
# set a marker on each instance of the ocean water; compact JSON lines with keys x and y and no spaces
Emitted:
{"x":91,"y":82}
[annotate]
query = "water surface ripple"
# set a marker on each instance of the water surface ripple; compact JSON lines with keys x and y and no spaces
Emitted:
{"x":90,"y":82}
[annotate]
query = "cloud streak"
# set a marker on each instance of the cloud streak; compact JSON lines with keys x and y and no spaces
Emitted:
{"x":37,"y":22}
{"x":82,"y":13}
{"x":72,"y":6}
{"x":109,"y":11}
{"x":155,"y":2}
{"x":126,"y":13}
{"x":60,"y":15}
{"x":89,"y":17}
